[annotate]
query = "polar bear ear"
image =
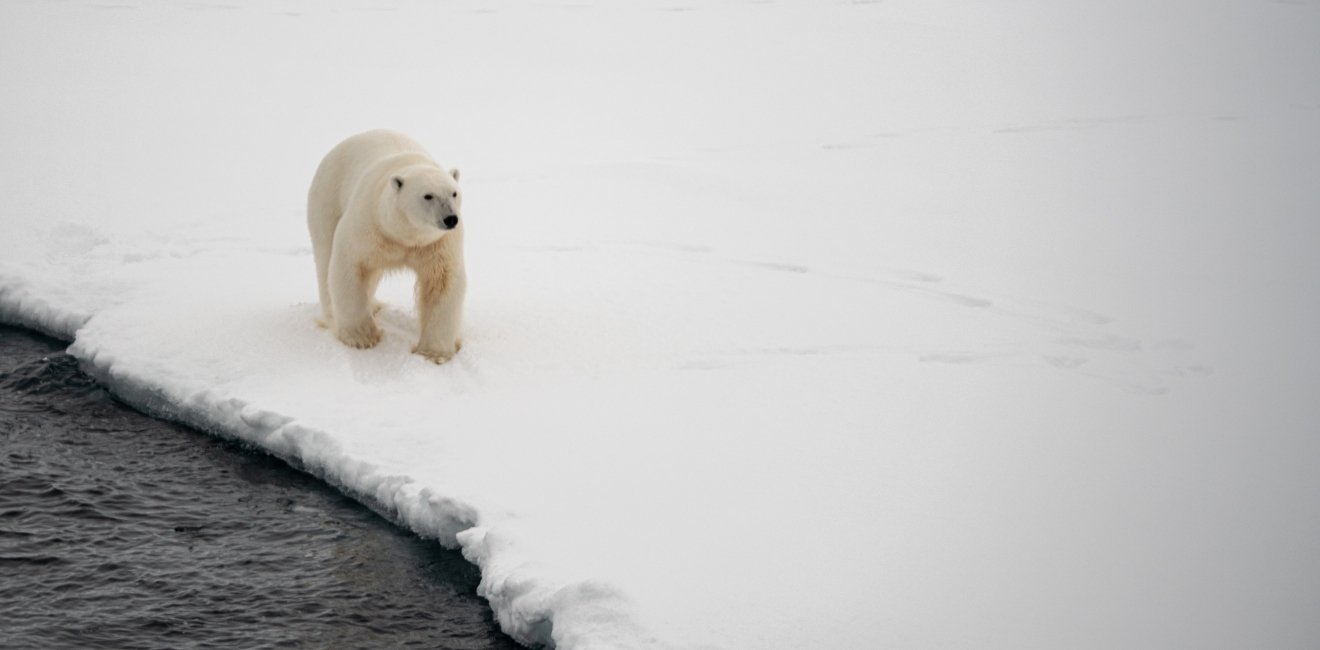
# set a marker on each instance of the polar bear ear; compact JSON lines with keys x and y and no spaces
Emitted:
{"x":398,"y":183}
{"x":454,"y":172}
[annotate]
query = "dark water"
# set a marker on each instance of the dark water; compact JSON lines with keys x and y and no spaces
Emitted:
{"x":121,"y":531}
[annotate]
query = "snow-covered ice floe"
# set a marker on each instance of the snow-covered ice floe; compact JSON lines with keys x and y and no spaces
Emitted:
{"x":789,"y":325}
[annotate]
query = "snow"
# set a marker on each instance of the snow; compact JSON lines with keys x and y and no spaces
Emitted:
{"x":790,"y":324}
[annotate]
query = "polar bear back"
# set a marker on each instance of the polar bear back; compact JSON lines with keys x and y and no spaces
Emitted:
{"x":342,"y":170}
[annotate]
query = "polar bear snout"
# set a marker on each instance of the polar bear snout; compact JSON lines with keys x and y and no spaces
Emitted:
{"x":451,"y":221}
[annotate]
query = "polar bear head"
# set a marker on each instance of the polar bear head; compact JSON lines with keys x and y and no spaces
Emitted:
{"x":427,"y":202}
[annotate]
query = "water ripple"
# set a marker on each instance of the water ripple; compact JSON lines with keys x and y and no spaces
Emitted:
{"x":120,"y":531}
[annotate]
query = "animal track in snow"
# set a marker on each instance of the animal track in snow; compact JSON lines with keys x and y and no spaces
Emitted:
{"x":905,"y":284}
{"x":1194,"y":370}
{"x":558,"y":248}
{"x":674,"y":246}
{"x":1109,"y":342}
{"x":1063,"y":362}
{"x":1066,"y":338}
{"x":964,"y":300}
{"x":774,"y":266}
{"x":745,"y":356}
{"x":919,"y":276}
{"x":958,"y":358}
{"x":1078,"y":123}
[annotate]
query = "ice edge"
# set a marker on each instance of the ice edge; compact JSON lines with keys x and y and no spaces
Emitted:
{"x":584,"y":615}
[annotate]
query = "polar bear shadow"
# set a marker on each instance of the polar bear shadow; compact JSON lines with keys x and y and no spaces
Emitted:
{"x":392,"y":362}
{"x":385,"y":363}
{"x":399,"y":323}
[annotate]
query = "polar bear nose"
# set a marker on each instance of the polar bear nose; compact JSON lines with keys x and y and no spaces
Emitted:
{"x":451,"y":221}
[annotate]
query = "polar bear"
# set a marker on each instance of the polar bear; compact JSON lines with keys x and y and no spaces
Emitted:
{"x":379,"y":202}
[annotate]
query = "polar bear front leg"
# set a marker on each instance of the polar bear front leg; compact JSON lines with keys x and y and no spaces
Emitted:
{"x":440,"y":308}
{"x":351,"y":289}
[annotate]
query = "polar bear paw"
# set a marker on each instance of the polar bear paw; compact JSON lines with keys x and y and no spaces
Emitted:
{"x":438,"y":356}
{"x":362,"y":336}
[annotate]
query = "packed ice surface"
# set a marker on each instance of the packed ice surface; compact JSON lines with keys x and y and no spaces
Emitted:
{"x":790,"y":324}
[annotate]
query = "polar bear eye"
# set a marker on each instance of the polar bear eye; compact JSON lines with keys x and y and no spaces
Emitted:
{"x":455,"y":194}
{"x":428,"y":197}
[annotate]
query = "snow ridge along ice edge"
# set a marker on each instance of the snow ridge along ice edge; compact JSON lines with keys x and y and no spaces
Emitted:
{"x":536,"y":613}
{"x":22,"y":306}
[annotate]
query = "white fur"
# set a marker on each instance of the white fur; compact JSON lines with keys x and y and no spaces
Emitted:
{"x":364,"y":223}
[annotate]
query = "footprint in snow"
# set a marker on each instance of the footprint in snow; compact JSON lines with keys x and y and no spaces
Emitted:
{"x":957,"y":358}
{"x":774,"y":266}
{"x":672,"y":246}
{"x":1110,"y":342}
{"x":1064,"y":362}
